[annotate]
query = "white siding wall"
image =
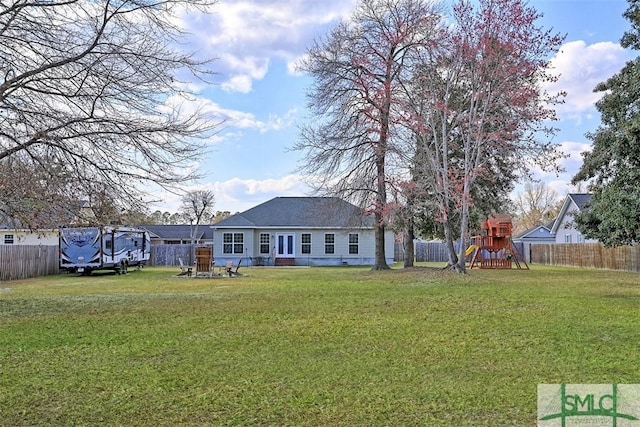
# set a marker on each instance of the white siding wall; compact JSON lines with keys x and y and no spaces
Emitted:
{"x":26,"y":237}
{"x":567,"y":233}
{"x":218,"y":244}
{"x":365,"y":255}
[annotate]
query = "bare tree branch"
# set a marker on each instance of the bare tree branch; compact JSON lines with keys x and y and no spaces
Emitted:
{"x":357,"y":101}
{"x":89,"y":90}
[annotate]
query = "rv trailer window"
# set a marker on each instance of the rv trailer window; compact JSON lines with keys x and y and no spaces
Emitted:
{"x":107,"y":243}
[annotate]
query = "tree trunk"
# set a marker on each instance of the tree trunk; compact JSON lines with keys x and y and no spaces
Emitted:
{"x":409,"y":254}
{"x":380,"y":261}
{"x":464,"y":226}
{"x":381,"y":202}
{"x":451,"y":250}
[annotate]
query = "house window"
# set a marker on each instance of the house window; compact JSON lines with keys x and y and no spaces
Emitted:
{"x":567,"y":238}
{"x":580,"y":238}
{"x":353,"y":244}
{"x":264,"y":243}
{"x":306,"y":243}
{"x":329,"y":243}
{"x":8,"y":239}
{"x":232,"y":243}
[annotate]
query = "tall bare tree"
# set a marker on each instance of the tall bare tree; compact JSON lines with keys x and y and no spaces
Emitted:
{"x":90,"y":96}
{"x":356,"y":99}
{"x":197,"y":206}
{"x":536,"y":205}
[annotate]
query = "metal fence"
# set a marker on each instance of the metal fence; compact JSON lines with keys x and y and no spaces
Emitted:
{"x":24,"y":261}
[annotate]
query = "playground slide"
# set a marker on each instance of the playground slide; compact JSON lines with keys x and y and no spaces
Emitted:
{"x":470,"y":250}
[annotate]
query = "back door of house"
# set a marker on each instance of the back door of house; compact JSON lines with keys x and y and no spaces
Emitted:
{"x":286,"y":245}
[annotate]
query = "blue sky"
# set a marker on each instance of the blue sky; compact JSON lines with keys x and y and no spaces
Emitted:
{"x":262,"y":99}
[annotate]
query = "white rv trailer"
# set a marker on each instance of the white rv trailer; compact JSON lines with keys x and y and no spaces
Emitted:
{"x":85,"y":249}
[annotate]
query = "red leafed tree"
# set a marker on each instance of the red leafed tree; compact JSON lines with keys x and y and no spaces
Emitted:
{"x":359,"y":73}
{"x":480,"y":110}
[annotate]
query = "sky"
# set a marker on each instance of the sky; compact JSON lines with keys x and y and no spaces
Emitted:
{"x":262,"y":98}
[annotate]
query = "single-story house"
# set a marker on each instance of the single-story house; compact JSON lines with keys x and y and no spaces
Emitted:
{"x":13,"y":236}
{"x":538,"y":235}
{"x":179,"y":234}
{"x":301,"y":231}
{"x":564,"y":228}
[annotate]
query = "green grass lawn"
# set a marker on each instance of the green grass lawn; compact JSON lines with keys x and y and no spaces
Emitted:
{"x":310,"y":347}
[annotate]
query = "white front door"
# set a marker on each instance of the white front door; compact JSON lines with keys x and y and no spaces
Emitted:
{"x":286,"y":245}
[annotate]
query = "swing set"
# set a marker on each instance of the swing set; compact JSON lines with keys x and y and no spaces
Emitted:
{"x":495,"y":249}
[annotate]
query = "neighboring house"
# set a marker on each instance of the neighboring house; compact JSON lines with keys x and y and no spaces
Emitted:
{"x":179,"y":234}
{"x":299,"y":231}
{"x":538,"y":235}
{"x":12,"y":236}
{"x":564,"y":228}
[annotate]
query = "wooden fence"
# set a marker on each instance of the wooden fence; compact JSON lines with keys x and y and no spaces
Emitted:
{"x":21,"y":262}
{"x":424,"y":252}
{"x":587,"y":255}
{"x":169,"y":255}
{"x":24,"y":261}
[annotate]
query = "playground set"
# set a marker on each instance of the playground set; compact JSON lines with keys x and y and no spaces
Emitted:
{"x":495,"y":249}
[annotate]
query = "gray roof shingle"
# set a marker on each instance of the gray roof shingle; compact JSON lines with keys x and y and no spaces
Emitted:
{"x":300,"y":212}
{"x":179,"y":232}
{"x":580,"y":199}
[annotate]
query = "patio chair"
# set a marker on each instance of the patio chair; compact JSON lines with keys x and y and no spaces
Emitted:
{"x":230,"y":270}
{"x":185,"y":270}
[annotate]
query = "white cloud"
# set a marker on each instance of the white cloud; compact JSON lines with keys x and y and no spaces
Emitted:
{"x":561,"y":183}
{"x":574,"y":150}
{"x":573,"y":161}
{"x":274,"y":122}
{"x":294,"y":65}
{"x":580,"y":68}
{"x":227,"y":118}
{"x":244,"y":35}
{"x":241,"y":83}
{"x":237,"y":194}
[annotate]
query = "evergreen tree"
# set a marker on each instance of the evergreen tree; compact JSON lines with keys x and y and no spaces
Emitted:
{"x":613,"y":165}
